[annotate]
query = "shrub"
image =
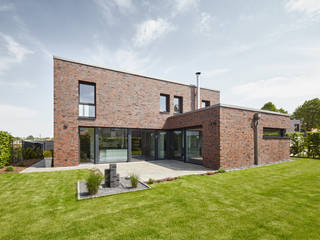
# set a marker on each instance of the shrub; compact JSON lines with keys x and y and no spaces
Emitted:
{"x":9,"y":168}
{"x":150,"y":181}
{"x":312,"y":143}
{"x":134,"y":179}
{"x":21,"y":164}
{"x":221,"y":170}
{"x":47,"y":154}
{"x":94,"y":181}
{"x":297,"y":143}
{"x":5,"y":148}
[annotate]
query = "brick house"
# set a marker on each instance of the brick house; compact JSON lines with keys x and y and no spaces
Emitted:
{"x":103,"y":115}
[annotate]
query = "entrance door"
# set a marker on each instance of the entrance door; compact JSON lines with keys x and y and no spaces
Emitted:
{"x":178,"y":145}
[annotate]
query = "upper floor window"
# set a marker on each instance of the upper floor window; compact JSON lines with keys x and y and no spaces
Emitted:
{"x":205,"y":103}
{"x":87,"y":100}
{"x":177,"y":104}
{"x":164,"y":103}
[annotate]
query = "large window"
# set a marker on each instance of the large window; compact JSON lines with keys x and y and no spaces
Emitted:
{"x":87,"y":100}
{"x":177,"y":104}
{"x":274,"y":133}
{"x":164,"y":103}
{"x":205,"y":103}
{"x":142,"y":144}
{"x":162,"y":145}
{"x":194,"y":146}
{"x":86,"y":145}
{"x":113,"y":144}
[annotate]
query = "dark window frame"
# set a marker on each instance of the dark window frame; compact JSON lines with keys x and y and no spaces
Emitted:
{"x":167,"y":96}
{"x":180,"y":102}
{"x":281,"y":131}
{"x":206,"y":102}
{"x":85,"y":103}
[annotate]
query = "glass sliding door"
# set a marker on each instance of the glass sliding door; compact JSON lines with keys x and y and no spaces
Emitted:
{"x":162,"y":145}
{"x":178,"y":145}
{"x":194,"y":146}
{"x":113,"y":145}
{"x":143,"y":144}
{"x":87,"y":144}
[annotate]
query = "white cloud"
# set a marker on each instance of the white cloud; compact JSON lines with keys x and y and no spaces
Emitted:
{"x":216,"y":72}
{"x":6,"y":7}
{"x":16,"y":84}
{"x":151,"y":30}
{"x":206,"y":22}
{"x":11,"y":52}
{"x":107,"y":8}
{"x":281,"y":87}
{"x":122,"y":59}
{"x":308,"y":6}
{"x":184,"y":5}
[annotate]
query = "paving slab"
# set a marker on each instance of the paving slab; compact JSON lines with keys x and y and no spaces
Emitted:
{"x":156,"y":170}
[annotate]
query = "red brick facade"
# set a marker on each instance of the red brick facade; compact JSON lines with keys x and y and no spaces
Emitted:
{"x":125,"y":100}
{"x":122,"y":100}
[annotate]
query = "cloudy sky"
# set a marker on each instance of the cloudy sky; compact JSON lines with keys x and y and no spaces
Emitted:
{"x":253,"y":51}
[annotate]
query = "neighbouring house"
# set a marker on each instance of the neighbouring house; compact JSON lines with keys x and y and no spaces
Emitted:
{"x":103,"y":115}
{"x":295,"y":126}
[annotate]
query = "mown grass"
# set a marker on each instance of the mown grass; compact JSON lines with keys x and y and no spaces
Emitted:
{"x":279,"y":201}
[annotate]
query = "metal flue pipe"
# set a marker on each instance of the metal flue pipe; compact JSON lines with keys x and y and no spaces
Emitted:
{"x":198,"y":89}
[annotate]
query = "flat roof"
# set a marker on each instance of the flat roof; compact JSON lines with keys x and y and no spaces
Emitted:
{"x":233,"y":107}
{"x":133,"y":74}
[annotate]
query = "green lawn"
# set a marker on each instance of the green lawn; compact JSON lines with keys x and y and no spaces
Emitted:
{"x":280,"y":201}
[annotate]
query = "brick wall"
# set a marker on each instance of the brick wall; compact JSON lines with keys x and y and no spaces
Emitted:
{"x":228,"y":136}
{"x":208,"y":118}
{"x":122,"y":100}
{"x":237,"y":138}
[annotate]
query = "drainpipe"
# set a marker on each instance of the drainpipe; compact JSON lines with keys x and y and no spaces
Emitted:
{"x":256,"y":118}
{"x":198,"y":89}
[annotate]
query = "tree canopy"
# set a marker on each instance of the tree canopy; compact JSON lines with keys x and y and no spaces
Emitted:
{"x":269,"y":106}
{"x":309,"y":114}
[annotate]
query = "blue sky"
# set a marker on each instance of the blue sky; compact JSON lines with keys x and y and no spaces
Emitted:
{"x":252,"y":51}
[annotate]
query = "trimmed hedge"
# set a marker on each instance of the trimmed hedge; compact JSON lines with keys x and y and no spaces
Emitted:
{"x":307,"y":145}
{"x":5,"y":148}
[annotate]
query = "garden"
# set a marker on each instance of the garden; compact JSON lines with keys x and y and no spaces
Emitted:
{"x":279,"y":201}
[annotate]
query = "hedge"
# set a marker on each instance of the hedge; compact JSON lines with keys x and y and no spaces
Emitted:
{"x":5,"y":148}
{"x":307,"y":145}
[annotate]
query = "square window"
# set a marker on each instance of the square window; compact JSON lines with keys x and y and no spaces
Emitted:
{"x":205,"y":103}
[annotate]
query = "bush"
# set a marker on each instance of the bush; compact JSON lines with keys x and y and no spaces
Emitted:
{"x":296,"y":143}
{"x":312,"y":142}
{"x":150,"y":181}
{"x":47,"y":154}
{"x":94,"y":181}
{"x":5,"y":148}
{"x":9,"y":168}
{"x":17,"y":154}
{"x":221,"y":170}
{"x":134,"y":179}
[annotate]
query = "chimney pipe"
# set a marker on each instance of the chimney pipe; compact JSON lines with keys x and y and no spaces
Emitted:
{"x":198,"y":89}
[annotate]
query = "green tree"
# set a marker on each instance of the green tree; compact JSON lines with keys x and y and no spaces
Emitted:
{"x":309,"y":114}
{"x":269,"y":106}
{"x":30,"y":137}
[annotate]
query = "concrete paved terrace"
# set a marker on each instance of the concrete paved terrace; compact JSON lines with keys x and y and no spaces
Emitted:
{"x":152,"y":169}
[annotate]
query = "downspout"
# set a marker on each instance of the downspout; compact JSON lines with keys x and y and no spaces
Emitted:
{"x":256,"y":118}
